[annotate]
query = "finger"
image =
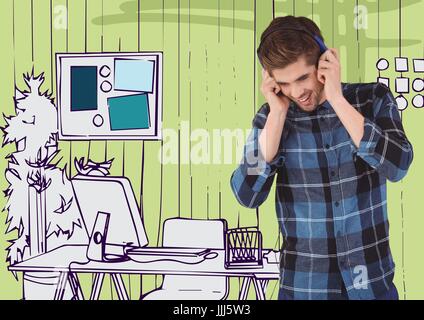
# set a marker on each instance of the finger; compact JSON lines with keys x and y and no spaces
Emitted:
{"x":333,"y":56}
{"x":270,"y":84}
{"x":329,"y":56}
{"x":267,"y":75}
{"x":324,"y":64}
{"x":335,"y":53}
{"x":271,"y":80}
{"x":323,"y":72}
{"x":324,"y":57}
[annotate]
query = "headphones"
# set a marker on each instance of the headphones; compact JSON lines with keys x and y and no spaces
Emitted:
{"x":322,"y":46}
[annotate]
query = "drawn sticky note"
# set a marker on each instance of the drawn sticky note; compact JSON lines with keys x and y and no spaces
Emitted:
{"x":418,"y":65}
{"x":83,"y":88}
{"x":134,"y":75}
{"x":402,"y":85}
{"x":385,"y":81}
{"x":401,"y":64}
{"x":129,"y":112}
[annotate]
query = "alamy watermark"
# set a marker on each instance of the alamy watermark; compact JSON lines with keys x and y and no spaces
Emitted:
{"x":216,"y":146}
{"x":60,"y":19}
{"x":361,"y":17}
{"x":361,"y":280}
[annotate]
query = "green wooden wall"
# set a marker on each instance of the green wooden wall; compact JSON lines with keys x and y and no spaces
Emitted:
{"x":211,"y":81}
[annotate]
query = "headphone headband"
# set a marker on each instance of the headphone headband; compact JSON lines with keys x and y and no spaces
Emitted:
{"x":317,"y":39}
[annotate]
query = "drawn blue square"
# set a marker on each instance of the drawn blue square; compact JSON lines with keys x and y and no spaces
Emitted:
{"x":134,"y":75}
{"x":129,"y":112}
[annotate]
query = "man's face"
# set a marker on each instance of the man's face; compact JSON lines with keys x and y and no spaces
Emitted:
{"x":298,"y":81}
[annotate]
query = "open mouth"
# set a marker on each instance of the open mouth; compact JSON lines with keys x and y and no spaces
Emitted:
{"x":306,"y":100}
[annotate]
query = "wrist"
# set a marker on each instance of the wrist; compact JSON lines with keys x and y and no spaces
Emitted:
{"x":277,"y":112}
{"x":337,"y":100}
{"x":278,"y":105}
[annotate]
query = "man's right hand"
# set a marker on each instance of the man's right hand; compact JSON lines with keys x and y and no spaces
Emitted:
{"x":270,"y":136}
{"x":272,"y":92}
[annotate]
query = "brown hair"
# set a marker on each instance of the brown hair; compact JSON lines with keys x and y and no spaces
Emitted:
{"x":283,"y":42}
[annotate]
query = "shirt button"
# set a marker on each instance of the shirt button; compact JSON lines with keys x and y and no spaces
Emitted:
{"x":333,"y":173}
{"x":327,"y":146}
{"x":337,"y":203}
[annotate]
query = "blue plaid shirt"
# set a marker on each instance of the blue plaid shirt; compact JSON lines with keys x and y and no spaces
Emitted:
{"x":330,"y":198}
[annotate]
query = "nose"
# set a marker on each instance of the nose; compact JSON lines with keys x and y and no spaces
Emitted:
{"x":297,"y":91}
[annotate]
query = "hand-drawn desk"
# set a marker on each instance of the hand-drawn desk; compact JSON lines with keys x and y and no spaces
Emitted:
{"x":69,"y":260}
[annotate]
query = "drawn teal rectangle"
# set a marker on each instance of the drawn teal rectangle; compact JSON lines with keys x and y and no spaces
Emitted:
{"x":129,"y":112}
{"x":83,"y":88}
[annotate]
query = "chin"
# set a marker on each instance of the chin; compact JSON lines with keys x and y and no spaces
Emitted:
{"x":310,"y":108}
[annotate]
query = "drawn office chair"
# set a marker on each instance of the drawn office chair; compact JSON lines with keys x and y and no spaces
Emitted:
{"x":191,"y":233}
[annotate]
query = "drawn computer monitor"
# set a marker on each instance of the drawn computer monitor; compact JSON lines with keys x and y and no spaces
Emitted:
{"x":114,"y":196}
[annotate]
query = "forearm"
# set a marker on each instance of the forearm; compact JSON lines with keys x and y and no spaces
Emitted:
{"x":381,"y":142}
{"x":270,"y":136}
{"x":351,"y":119}
{"x":253,"y":178}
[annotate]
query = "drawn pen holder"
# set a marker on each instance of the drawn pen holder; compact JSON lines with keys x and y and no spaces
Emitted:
{"x":243,"y":248}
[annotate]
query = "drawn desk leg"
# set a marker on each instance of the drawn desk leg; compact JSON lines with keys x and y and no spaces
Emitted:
{"x":75,"y":286}
{"x":97,"y":286}
{"x":120,"y":287}
{"x":260,"y":288}
{"x":245,"y":288}
{"x":61,"y":284}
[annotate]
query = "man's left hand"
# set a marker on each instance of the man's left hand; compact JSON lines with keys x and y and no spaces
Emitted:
{"x":329,"y":74}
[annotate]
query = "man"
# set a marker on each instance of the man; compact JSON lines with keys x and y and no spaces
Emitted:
{"x":332,"y":146}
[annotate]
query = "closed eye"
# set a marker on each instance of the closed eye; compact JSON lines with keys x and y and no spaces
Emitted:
{"x":301,"y":78}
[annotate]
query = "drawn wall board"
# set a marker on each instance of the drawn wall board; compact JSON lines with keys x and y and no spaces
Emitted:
{"x":115,"y":96}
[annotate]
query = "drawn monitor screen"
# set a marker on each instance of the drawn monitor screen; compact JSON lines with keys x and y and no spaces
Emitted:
{"x":115,"y":196}
{"x":110,"y":96}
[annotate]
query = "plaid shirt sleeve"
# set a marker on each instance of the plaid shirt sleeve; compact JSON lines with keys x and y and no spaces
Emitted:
{"x":253,"y":178}
{"x":384,"y":145}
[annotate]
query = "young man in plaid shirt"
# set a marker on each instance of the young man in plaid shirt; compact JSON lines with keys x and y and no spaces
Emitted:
{"x":332,"y":146}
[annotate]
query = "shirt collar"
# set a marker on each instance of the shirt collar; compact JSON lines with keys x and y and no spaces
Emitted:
{"x":295,"y":108}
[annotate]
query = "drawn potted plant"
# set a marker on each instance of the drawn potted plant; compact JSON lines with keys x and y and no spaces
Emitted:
{"x":42,"y":213}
